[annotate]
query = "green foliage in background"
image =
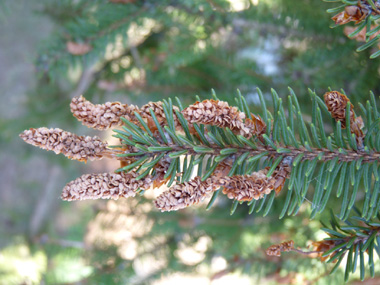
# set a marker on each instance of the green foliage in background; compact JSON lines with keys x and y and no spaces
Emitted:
{"x":188,"y":47}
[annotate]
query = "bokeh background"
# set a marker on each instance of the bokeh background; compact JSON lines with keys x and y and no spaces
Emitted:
{"x":135,"y":51}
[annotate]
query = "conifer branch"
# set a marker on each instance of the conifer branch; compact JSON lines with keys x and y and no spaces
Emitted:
{"x":247,"y":156}
{"x":255,"y":155}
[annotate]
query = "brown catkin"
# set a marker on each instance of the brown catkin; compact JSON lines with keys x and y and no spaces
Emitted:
{"x":104,"y":186}
{"x":71,"y":145}
{"x":278,"y":248}
{"x":247,"y":187}
{"x":185,"y":194}
{"x":101,"y":116}
{"x":255,"y":185}
{"x":336,"y":103}
{"x":216,"y":113}
{"x":220,"y":114}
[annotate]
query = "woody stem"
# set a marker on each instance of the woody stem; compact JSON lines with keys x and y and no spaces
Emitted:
{"x":323,"y":154}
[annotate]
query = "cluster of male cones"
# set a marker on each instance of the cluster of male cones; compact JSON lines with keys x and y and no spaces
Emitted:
{"x":125,"y":184}
{"x":247,"y":187}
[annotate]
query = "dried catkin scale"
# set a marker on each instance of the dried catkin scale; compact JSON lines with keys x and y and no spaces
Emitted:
{"x":351,"y":13}
{"x":256,"y":125}
{"x":356,"y":13}
{"x":323,"y":246}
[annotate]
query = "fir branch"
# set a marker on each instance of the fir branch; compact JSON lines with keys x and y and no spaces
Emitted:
{"x":155,"y":136}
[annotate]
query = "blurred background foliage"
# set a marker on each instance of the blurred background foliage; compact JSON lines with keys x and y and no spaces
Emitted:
{"x":137,"y":51}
